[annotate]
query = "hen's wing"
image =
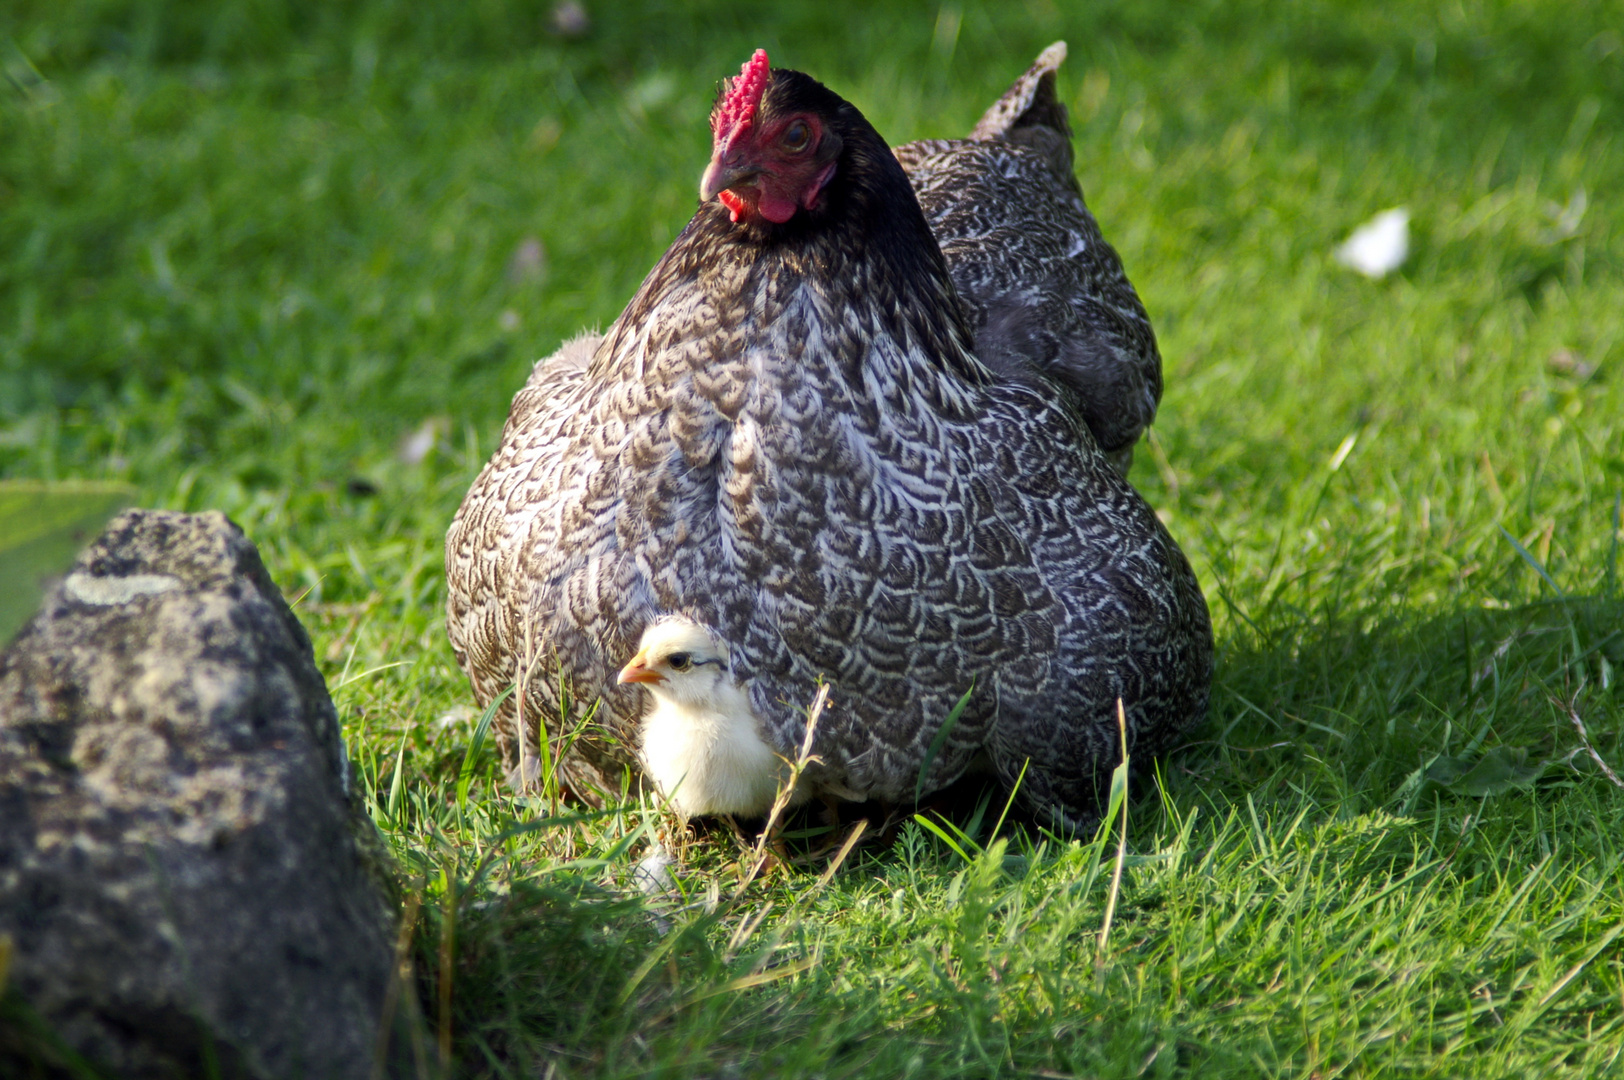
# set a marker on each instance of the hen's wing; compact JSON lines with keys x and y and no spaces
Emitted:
{"x":539,"y":511}
{"x":1042,"y":288}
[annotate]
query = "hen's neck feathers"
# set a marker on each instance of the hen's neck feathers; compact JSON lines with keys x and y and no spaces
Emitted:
{"x":865,"y":251}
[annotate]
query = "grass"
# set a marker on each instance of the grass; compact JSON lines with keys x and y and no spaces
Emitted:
{"x":248,"y":250}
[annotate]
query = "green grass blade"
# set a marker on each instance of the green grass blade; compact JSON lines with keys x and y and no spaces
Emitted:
{"x":940,"y":741}
{"x":1014,"y":790}
{"x":942,"y":835}
{"x":470,"y":757}
{"x":397,"y":783}
{"x":1612,"y":544}
{"x":1528,"y":557}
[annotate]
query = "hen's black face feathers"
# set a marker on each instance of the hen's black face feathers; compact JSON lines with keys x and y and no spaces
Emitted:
{"x":865,"y":210}
{"x":787,"y":438}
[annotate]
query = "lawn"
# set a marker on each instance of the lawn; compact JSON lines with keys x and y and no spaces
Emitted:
{"x":290,"y":261}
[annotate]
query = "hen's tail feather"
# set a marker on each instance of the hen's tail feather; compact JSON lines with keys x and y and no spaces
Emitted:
{"x":1031,"y":102}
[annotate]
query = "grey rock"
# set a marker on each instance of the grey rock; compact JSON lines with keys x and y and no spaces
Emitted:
{"x":188,"y":883}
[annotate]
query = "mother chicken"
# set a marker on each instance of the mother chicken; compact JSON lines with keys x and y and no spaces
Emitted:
{"x":787,"y":439}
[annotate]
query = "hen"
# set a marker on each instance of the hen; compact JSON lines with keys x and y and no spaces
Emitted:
{"x":1040,"y":285}
{"x":785,"y":439}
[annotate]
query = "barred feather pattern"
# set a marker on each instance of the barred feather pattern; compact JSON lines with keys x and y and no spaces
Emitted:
{"x":786,"y":439}
{"x":1042,"y":288}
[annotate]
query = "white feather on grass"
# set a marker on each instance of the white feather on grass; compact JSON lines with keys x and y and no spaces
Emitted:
{"x":1380,"y":245}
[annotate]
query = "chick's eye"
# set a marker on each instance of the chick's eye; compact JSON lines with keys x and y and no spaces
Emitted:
{"x":796,"y":136}
{"x":680,"y":661}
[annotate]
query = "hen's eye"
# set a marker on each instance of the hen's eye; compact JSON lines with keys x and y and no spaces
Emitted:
{"x":796,"y":136}
{"x":680,"y":661}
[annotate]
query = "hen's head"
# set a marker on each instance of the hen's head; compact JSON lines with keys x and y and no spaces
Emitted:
{"x":775,"y":143}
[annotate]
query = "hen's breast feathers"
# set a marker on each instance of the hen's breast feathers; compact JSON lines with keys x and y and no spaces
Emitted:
{"x":830,"y":529}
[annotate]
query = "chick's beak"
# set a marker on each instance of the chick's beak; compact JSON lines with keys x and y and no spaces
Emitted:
{"x":637,"y":671}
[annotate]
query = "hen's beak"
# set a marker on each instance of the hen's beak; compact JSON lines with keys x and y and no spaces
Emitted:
{"x":722,"y":174}
{"x":637,"y":671}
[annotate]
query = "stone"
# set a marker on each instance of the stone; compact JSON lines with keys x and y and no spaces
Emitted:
{"x":188,"y":882}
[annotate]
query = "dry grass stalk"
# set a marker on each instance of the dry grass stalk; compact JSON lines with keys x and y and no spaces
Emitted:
{"x":786,"y":790}
{"x":1122,"y":842}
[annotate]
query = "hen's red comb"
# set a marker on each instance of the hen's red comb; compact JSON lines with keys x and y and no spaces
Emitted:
{"x":743,"y":96}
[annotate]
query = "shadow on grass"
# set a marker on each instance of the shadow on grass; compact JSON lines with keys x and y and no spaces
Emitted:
{"x":1349,"y":708}
{"x":1331,"y":724}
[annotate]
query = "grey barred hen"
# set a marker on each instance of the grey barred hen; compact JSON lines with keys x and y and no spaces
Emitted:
{"x":1039,"y":283}
{"x":787,"y":440}
{"x":1041,"y":286}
